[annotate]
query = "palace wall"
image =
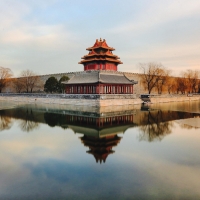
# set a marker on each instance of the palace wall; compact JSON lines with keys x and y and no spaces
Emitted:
{"x":138,"y":88}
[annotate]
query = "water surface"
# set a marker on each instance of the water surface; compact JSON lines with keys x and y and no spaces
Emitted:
{"x":54,"y":152}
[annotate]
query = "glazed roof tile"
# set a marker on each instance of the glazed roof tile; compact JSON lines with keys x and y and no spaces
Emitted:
{"x":102,"y":59}
{"x":98,"y":77}
{"x":100,"y":54}
{"x":100,"y":44}
{"x":100,"y":51}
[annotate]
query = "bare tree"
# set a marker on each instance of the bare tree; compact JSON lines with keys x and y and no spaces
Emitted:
{"x":181,"y":85}
{"x":198,"y":86}
{"x":153,"y":75}
{"x":192,"y":77}
{"x":18,"y":84}
{"x":163,"y":78}
{"x":170,"y":84}
{"x":29,"y":80}
{"x":5,"y":75}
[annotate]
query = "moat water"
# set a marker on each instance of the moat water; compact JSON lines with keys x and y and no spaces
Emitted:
{"x":146,"y":152}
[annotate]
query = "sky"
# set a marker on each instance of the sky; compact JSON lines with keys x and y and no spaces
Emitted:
{"x":51,"y":36}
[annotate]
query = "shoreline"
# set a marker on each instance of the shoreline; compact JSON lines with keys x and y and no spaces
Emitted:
{"x":93,"y":99}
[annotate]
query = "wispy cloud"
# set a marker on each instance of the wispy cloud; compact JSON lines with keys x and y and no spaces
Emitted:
{"x":56,"y":33}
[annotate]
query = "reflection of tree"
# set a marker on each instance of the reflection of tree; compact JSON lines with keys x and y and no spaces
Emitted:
{"x":154,"y":126}
{"x":5,"y":121}
{"x":29,"y":123}
{"x":186,"y":126}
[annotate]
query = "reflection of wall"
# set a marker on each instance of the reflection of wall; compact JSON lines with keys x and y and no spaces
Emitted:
{"x":153,"y":124}
{"x":99,"y":122}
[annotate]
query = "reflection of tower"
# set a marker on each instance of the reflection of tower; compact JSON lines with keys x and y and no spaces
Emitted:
{"x":100,"y":130}
{"x":100,"y":147}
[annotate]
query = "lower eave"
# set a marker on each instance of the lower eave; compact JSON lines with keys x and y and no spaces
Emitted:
{"x":99,"y":83}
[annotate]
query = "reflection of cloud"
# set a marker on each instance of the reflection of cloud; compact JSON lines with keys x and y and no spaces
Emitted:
{"x":57,"y":170}
{"x":167,"y":177}
{"x":52,"y":163}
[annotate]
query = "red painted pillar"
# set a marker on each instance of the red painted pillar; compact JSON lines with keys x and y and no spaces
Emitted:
{"x":81,"y":89}
{"x":97,"y":89}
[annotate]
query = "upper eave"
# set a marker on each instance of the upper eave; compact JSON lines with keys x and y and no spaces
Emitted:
{"x":100,"y":59}
{"x":100,"y":47}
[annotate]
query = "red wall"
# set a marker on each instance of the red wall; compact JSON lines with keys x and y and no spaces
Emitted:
{"x":107,"y":66}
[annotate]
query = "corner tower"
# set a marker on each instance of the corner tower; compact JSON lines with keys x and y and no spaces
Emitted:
{"x":100,"y":57}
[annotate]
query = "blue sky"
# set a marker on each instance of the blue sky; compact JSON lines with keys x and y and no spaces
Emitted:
{"x":51,"y":36}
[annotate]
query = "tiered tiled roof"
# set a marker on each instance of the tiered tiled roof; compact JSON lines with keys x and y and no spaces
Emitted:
{"x":99,"y":77}
{"x":100,"y":43}
{"x":100,"y":51}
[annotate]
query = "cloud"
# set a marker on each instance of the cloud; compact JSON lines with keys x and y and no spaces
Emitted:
{"x":51,"y":36}
{"x":156,"y":13}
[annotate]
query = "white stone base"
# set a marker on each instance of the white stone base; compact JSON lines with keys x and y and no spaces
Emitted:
{"x":95,"y":102}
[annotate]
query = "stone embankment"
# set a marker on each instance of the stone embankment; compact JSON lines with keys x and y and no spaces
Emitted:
{"x":92,"y":99}
{"x":174,"y":98}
